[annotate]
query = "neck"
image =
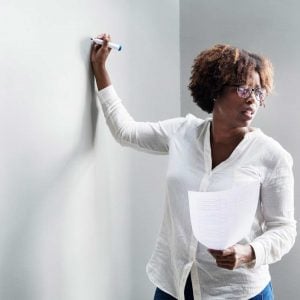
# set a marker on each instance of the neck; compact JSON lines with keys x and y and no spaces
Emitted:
{"x":223,"y":134}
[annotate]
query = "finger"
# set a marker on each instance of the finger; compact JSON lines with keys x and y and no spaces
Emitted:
{"x":226,"y":258}
{"x":106,"y":36}
{"x":220,"y":253}
{"x":229,"y":251}
{"x":106,"y":39}
{"x":105,"y":42}
{"x":226,"y":263}
{"x":232,"y":263}
{"x":103,"y":36}
{"x":100,"y":36}
{"x":94,"y":49}
{"x":227,"y":266}
{"x":215,"y":252}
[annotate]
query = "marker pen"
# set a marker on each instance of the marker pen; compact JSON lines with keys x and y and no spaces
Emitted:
{"x":110,"y":45}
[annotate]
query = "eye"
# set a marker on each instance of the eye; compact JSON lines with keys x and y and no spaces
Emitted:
{"x":243,"y":91}
{"x":260,"y":92}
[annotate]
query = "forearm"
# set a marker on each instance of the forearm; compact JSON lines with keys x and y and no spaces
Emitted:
{"x":279,"y":225}
{"x":102,"y":77}
{"x":274,"y":243}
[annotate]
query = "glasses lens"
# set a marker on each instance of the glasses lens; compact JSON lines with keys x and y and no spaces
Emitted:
{"x":260,"y":94}
{"x":245,"y":92}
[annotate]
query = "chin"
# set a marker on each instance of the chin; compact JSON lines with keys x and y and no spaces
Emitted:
{"x":245,"y":123}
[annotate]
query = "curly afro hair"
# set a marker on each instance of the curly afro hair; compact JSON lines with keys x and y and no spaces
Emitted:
{"x":223,"y":65}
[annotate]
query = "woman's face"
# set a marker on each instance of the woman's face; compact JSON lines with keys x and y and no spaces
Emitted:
{"x":234,"y":111}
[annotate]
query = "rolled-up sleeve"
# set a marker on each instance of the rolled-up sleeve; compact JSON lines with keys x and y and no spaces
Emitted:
{"x":277,"y":204}
{"x":146,"y":136}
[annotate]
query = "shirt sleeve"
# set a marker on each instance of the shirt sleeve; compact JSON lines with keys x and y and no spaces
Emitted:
{"x":277,"y":201}
{"x":146,"y":136}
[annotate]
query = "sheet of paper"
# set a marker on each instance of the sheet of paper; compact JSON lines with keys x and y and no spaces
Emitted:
{"x":221,"y":219}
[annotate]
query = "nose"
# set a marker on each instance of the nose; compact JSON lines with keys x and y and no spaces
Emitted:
{"x":251,"y":98}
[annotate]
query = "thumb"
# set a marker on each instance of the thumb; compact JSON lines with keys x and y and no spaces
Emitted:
{"x":229,"y":251}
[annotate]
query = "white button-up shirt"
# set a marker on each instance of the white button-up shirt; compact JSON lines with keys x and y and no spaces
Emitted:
{"x":177,"y":252}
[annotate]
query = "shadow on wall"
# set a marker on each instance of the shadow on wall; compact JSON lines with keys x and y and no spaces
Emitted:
{"x":33,"y":241}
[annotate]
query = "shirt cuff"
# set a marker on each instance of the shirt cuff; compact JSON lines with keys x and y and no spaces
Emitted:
{"x":107,"y":95}
{"x":259,"y":254}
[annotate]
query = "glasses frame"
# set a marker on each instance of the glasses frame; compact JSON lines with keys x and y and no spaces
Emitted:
{"x":250,"y":91}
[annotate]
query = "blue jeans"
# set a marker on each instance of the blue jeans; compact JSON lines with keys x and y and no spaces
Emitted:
{"x":188,"y":292}
{"x":266,"y":294}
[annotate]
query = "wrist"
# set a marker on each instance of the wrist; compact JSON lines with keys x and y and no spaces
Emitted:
{"x":102,"y":78}
{"x":250,"y":256}
{"x":253,"y":257}
{"x":99,"y":69}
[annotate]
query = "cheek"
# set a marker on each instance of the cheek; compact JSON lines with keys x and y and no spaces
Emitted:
{"x":229,"y":105}
{"x":233,"y":107}
{"x":257,"y":108}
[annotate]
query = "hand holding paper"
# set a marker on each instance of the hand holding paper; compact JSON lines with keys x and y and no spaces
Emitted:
{"x":233,"y":257}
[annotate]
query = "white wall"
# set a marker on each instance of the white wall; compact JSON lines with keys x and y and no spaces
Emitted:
{"x":79,"y":213}
{"x":270,"y":27}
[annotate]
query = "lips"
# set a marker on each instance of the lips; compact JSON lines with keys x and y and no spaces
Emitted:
{"x":248,"y":113}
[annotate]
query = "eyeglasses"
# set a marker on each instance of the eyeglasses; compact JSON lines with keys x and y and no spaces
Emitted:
{"x":245,"y":92}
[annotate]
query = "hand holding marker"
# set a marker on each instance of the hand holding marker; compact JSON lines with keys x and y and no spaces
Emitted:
{"x":110,"y":45}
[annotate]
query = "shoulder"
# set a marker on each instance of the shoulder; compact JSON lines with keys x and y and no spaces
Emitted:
{"x":191,"y":130}
{"x":193,"y":121}
{"x":191,"y":124}
{"x":272,"y":150}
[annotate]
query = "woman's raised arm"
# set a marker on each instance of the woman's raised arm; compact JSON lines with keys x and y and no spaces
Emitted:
{"x":147,"y":136}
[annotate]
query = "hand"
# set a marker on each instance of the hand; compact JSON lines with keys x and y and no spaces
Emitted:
{"x":99,"y":53}
{"x":233,"y":257}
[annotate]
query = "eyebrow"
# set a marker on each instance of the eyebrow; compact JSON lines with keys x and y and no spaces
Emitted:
{"x":255,"y":87}
{"x":244,"y":84}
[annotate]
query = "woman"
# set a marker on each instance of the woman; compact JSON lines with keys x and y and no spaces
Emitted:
{"x":212,"y":155}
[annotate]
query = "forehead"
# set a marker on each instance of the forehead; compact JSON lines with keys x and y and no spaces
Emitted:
{"x":253,"y":79}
